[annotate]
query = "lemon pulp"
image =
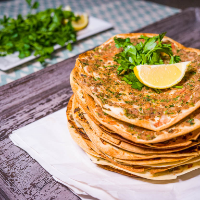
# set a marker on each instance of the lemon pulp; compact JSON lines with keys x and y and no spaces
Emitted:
{"x":161,"y":76}
{"x":81,"y":23}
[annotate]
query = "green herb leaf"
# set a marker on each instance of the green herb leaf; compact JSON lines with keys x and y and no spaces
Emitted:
{"x":161,"y":36}
{"x":69,"y":46}
{"x":130,"y":49}
{"x":28,"y":2}
{"x":35,"y":5}
{"x":150,"y":44}
{"x":131,"y":79}
{"x":147,"y":52}
{"x":180,"y":87}
{"x":174,"y":59}
{"x":37,"y":33}
{"x":191,"y":121}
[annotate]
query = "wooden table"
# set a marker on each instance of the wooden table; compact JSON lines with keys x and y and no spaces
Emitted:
{"x":42,"y":93}
{"x":182,"y":4}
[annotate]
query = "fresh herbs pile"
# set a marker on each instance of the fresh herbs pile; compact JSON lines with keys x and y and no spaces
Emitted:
{"x":144,"y":53}
{"x":37,"y":33}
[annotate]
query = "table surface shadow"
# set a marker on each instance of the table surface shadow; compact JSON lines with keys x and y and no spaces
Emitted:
{"x":46,"y":91}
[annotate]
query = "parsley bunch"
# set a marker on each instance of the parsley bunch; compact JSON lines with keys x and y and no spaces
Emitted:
{"x":147,"y":53}
{"x":37,"y":33}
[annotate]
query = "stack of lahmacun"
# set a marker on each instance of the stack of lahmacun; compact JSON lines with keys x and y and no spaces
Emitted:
{"x":138,"y":133}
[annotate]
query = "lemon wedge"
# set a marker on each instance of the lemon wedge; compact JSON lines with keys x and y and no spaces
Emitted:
{"x":161,"y":76}
{"x":81,"y":23}
{"x":67,"y":8}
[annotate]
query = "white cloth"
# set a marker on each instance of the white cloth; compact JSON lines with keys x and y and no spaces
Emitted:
{"x":48,"y":141}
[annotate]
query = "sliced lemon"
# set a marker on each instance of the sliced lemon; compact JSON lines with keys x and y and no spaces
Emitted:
{"x":67,"y":8}
{"x":161,"y":76}
{"x":81,"y":23}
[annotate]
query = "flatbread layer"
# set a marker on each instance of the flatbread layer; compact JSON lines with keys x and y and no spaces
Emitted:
{"x":96,"y":72}
{"x":116,"y":152}
{"x":174,"y":137}
{"x":165,"y":175}
{"x":149,"y":173}
{"x":154,"y":163}
{"x":109,"y":168}
{"x":123,"y":144}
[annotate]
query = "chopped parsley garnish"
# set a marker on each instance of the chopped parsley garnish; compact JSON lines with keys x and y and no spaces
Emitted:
{"x":37,"y":33}
{"x":191,"y":121}
{"x":147,"y":52}
{"x":177,"y":86}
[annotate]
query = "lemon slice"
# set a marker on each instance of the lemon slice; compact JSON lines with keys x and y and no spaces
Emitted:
{"x":161,"y":76}
{"x":81,"y":23}
{"x":67,"y":8}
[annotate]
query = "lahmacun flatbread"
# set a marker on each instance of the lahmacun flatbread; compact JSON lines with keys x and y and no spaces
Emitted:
{"x":124,"y":144}
{"x":115,"y":152}
{"x":136,"y":132}
{"x":99,"y":158}
{"x":97,"y":73}
{"x":149,"y":173}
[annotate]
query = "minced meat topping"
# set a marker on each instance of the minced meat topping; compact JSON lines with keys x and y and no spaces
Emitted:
{"x":100,"y":75}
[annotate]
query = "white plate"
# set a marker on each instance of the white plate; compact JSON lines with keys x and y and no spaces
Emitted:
{"x":95,"y":26}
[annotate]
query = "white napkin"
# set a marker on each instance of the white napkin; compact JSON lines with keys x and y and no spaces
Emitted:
{"x":48,"y":141}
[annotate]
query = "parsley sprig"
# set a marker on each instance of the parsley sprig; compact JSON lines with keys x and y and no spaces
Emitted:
{"x":32,"y":5}
{"x":37,"y":33}
{"x":147,"y":52}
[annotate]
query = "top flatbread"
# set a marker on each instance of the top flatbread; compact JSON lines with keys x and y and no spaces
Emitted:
{"x":97,"y":73}
{"x":134,"y":133}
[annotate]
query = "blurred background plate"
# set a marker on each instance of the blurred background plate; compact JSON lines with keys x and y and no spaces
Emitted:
{"x":95,"y":26}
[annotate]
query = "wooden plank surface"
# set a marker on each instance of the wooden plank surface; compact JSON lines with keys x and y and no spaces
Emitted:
{"x":44,"y":92}
{"x":181,"y":4}
{"x":22,"y":102}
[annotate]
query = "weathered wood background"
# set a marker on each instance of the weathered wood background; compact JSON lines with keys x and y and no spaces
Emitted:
{"x":42,"y":93}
